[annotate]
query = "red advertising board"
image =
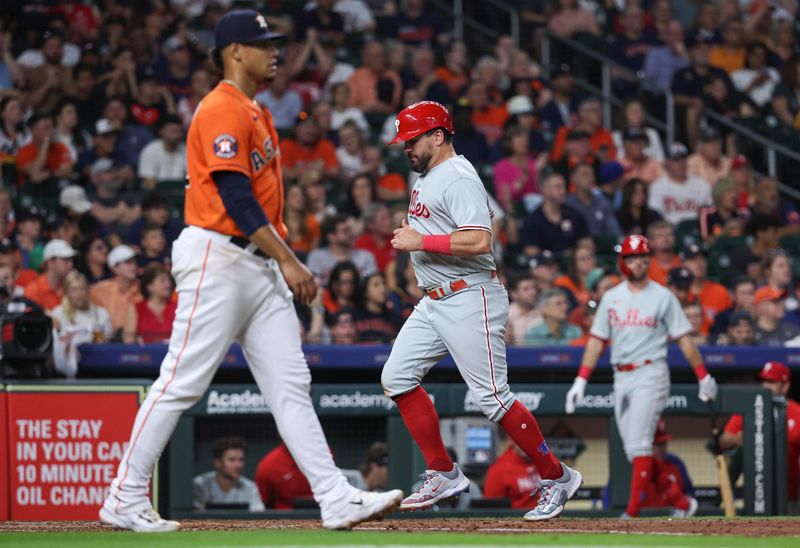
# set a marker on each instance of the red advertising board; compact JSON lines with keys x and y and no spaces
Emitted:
{"x":64,"y":447}
{"x":4,"y":492}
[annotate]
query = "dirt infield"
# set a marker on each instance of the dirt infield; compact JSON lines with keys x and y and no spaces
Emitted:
{"x":739,"y":527}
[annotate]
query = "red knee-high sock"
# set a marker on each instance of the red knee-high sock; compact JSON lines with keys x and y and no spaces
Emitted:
{"x":422,"y":422}
{"x":524,"y":430}
{"x":641,"y":476}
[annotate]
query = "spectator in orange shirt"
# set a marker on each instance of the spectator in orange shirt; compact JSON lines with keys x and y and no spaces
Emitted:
{"x":120,"y":294}
{"x":729,"y":55}
{"x":488,"y":119}
{"x":41,"y":163}
{"x":712,"y":296}
{"x":590,"y":120}
{"x":373,"y":87}
{"x":662,"y":240}
{"x":304,"y":230}
{"x":47,"y":290}
{"x":377,"y":236}
{"x":455,"y":70}
{"x":308,"y":158}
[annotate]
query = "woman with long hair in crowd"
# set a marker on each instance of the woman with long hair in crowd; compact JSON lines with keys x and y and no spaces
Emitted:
{"x":404,"y":292}
{"x":92,"y":260}
{"x":76,"y":321}
{"x":374,"y":320}
{"x":776,"y":270}
{"x":14,"y":134}
{"x":156,"y":312}
{"x":723,"y":217}
{"x":515,"y":174}
{"x":362,"y":191}
{"x":303,"y":227}
{"x":581,"y":262}
{"x":633,"y":215}
{"x":68,"y":131}
{"x":342,"y":285}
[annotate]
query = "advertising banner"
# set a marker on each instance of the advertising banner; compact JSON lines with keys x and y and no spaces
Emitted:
{"x":64,"y":446}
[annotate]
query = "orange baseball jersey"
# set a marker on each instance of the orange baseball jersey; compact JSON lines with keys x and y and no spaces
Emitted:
{"x":230,"y":132}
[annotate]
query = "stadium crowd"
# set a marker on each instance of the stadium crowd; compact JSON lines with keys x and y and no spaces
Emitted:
{"x":96,"y":97}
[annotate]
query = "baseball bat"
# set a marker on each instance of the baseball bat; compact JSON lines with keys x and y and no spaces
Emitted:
{"x":725,"y":487}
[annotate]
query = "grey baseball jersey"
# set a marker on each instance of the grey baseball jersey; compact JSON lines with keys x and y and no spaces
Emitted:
{"x":448,"y":198}
{"x":639,"y":324}
{"x":469,"y":324}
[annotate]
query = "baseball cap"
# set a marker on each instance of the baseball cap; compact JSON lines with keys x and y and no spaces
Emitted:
{"x":58,"y":249}
{"x":739,"y":161}
{"x":27,"y":214}
{"x":775,"y":372}
{"x":738,"y":317}
{"x":692,"y":251}
{"x":662,"y":435}
{"x":104,"y":126}
{"x":120,"y":254}
{"x":173,"y":43}
{"x":242,"y":26}
{"x":709,"y":134}
{"x":681,"y":277}
{"x":520,"y":104}
{"x":677,"y":151}
{"x":544,"y":258}
{"x":101,"y":166}
{"x":769,"y":293}
{"x":610,"y":171}
{"x":634,"y":134}
{"x":74,"y":197}
{"x":560,"y":70}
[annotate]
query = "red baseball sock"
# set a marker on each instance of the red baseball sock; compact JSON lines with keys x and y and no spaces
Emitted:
{"x":641,"y":475}
{"x":683,"y":503}
{"x":422,"y":422}
{"x":524,"y":430}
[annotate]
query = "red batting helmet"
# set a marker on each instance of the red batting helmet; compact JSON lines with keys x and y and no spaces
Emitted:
{"x":419,"y":118}
{"x":633,"y":245}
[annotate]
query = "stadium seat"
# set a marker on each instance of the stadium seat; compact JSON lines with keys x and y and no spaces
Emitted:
{"x":687,"y":233}
{"x":605,"y":245}
{"x":719,"y":257}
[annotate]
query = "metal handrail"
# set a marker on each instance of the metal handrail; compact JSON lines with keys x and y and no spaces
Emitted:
{"x":460,"y":19}
{"x":772,"y":148}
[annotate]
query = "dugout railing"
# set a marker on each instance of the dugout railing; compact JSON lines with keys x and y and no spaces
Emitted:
{"x":355,"y":415}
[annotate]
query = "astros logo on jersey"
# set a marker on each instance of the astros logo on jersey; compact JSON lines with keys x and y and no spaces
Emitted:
{"x":225,"y":146}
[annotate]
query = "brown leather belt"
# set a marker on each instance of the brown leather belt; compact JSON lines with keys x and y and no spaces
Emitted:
{"x":631,"y":366}
{"x":456,"y":285}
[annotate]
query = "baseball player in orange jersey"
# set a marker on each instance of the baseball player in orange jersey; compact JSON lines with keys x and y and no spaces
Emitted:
{"x":235,"y":279}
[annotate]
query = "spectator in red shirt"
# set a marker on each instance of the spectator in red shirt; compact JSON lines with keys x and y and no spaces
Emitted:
{"x":512,"y":475}
{"x":47,"y":289}
{"x":279,"y":479}
{"x":155,"y":313}
{"x":377,"y":236}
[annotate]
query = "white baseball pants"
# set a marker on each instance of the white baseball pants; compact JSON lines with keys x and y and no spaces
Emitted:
{"x":227,"y":293}
{"x":639,"y":398}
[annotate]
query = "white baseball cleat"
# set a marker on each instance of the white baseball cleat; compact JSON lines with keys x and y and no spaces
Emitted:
{"x":689,"y":512}
{"x":435,"y":487}
{"x":143,"y":521}
{"x":361,"y":506}
{"x":553,"y":494}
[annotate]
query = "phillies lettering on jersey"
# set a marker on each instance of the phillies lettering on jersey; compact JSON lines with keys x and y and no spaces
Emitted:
{"x":448,"y":198}
{"x":639,"y":324}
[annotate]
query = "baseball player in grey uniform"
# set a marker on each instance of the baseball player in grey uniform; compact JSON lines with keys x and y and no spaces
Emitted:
{"x":638,"y":317}
{"x":465,"y":313}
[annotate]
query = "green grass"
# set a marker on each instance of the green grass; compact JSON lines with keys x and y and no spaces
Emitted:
{"x":204,"y":539}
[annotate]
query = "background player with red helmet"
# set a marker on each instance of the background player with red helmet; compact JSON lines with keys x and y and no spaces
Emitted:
{"x":639,"y":317}
{"x":464,"y":313}
{"x":236,"y":277}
